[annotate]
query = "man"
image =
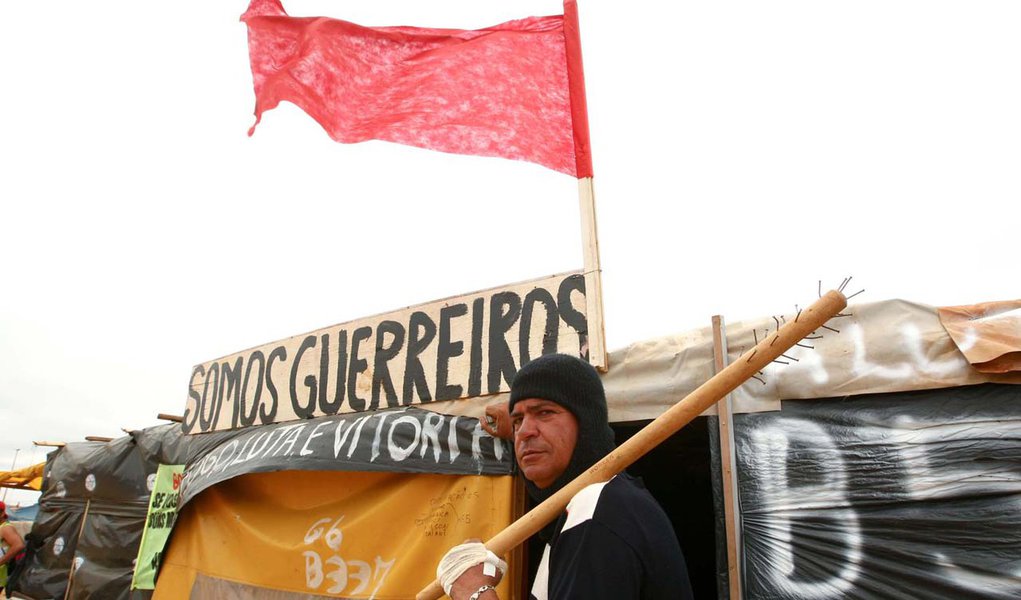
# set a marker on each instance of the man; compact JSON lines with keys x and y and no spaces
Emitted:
{"x":11,"y":545}
{"x":614,"y":541}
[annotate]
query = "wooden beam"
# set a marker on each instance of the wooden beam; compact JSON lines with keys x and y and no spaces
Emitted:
{"x":727,"y":458}
{"x":98,"y":438}
{"x":172,"y":418}
{"x":50,"y":444}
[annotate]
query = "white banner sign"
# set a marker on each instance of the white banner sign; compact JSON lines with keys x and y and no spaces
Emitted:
{"x":461,"y":347}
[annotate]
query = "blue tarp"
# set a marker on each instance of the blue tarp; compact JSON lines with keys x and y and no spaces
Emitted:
{"x":25,"y":513}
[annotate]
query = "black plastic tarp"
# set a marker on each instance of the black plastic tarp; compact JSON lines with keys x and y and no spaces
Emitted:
{"x":104,"y":485}
{"x":406,"y":440}
{"x":909,"y":495}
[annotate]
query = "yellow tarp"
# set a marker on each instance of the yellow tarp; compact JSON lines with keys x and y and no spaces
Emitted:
{"x":29,"y":478}
{"x":342,"y":534}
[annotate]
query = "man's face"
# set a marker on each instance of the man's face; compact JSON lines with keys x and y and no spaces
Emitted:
{"x":544,"y":437}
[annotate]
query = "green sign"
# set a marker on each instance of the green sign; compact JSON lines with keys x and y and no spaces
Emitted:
{"x":158,"y":522}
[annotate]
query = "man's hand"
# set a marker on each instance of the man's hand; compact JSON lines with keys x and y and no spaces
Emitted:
{"x":469,"y":567}
{"x":497,"y":421}
{"x":470,"y":582}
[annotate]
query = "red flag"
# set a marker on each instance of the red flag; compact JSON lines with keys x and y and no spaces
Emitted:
{"x":514,"y":90}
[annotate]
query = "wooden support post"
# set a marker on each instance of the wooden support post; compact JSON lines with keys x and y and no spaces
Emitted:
{"x":518,"y":586}
{"x":172,"y":418}
{"x":664,"y":426}
{"x":50,"y":444}
{"x":727,"y":462}
{"x":98,"y":438}
{"x":73,"y":569}
{"x":593,"y":275}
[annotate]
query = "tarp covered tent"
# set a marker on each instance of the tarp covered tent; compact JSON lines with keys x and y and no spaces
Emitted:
{"x":360,"y":505}
{"x":95,"y":497}
{"x":885,"y":429}
{"x":909,"y":365}
{"x":108,"y":482}
{"x":881,"y":460}
{"x":91,"y":512}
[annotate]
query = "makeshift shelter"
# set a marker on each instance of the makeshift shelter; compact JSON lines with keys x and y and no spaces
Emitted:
{"x":91,"y":513}
{"x":883,"y":461}
{"x":360,"y":505}
{"x":418,"y":477}
{"x":59,"y":539}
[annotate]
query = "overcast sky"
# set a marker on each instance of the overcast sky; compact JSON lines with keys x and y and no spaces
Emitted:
{"x":742,"y":151}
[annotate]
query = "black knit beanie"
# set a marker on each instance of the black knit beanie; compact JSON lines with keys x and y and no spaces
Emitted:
{"x":575,"y":385}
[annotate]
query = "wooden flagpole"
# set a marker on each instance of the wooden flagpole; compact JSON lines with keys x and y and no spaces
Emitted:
{"x":586,"y":196}
{"x":593,"y":275}
{"x":664,"y":426}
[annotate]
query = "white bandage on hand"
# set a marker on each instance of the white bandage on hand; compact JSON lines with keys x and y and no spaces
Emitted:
{"x":465,"y":556}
